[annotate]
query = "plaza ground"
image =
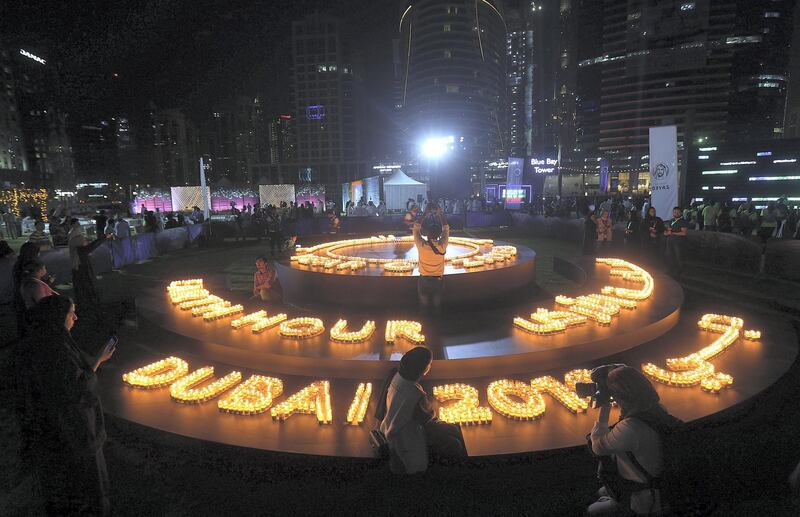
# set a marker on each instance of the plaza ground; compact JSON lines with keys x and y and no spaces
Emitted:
{"x":748,"y":451}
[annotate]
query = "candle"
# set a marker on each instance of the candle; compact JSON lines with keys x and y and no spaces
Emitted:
{"x":339,"y":332}
{"x":158,"y":374}
{"x":314,"y":399}
{"x":253,"y":396}
{"x":466,"y":409}
{"x":185,"y":389}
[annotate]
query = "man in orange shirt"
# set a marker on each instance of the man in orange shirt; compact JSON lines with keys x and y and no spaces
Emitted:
{"x":431,"y":250}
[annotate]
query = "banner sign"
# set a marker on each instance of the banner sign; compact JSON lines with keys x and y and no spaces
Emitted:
{"x":514,"y":195}
{"x":664,"y":169}
{"x":603,"y":175}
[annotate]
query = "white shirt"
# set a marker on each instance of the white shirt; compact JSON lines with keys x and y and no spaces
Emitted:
{"x":123,"y":229}
{"x":406,"y":436}
{"x":430,"y":262}
{"x":639,"y":438}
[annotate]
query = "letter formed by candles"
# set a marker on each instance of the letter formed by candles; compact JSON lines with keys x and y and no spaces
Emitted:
{"x":562,"y":393}
{"x":249,"y":319}
{"x":466,"y":408}
{"x":253,"y":396}
{"x":528,"y":405}
{"x":186,"y":390}
{"x":158,"y":374}
{"x":339,"y":332}
{"x":314,"y":399}
{"x":695,"y":368}
{"x":410,"y":330}
{"x":360,"y":403}
{"x":301,"y":328}
{"x":545,"y":322}
{"x":268,"y":322}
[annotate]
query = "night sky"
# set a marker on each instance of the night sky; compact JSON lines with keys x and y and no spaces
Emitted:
{"x":191,"y":54}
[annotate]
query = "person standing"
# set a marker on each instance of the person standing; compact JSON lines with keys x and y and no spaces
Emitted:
{"x":652,"y":233}
{"x":633,"y":238}
{"x":410,"y":218}
{"x":710,"y":213}
{"x":63,"y":414}
{"x":122,"y":230}
{"x":431,"y":249}
{"x":100,"y":221}
{"x":589,"y":232}
{"x":275,"y":231}
{"x":676,"y":234}
{"x":80,"y":249}
{"x":11,"y":225}
{"x":605,"y":230}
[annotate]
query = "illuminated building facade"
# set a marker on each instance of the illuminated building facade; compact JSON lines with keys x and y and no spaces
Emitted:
{"x":175,"y":146}
{"x":717,"y":70}
{"x":756,"y":171}
{"x":282,"y":139}
{"x":327,"y":123}
{"x":47,"y":160}
{"x":453,"y":55}
{"x":13,"y":161}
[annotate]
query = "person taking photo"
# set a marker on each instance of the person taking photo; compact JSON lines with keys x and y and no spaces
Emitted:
{"x":431,"y":249}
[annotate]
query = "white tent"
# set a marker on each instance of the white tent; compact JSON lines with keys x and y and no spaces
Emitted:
{"x":399,"y":188}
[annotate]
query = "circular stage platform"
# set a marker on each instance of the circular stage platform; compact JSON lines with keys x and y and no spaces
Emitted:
{"x":476,"y":347}
{"x":486,"y":276}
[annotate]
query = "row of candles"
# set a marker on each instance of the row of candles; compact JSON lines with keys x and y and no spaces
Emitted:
{"x":190,"y":295}
{"x":695,"y":368}
{"x":600,"y":308}
{"x":511,"y":398}
{"x":325,"y":255}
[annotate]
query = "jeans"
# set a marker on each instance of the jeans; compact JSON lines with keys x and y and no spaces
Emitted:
{"x":429,"y":290}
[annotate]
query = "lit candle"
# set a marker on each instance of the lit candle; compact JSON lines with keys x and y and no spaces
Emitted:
{"x":410,"y":330}
{"x":253,"y":396}
{"x":466,"y":409}
{"x":314,"y":399}
{"x":529,"y":406}
{"x":358,"y":407}
{"x":158,"y":374}
{"x":185,"y":389}
{"x":300,"y":328}
{"x":339,"y":332}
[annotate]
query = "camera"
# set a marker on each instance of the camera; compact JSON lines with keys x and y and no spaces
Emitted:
{"x":598,"y":388}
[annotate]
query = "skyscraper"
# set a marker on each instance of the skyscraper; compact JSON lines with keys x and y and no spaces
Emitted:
{"x":13,"y":162}
{"x":282,"y":145}
{"x":325,"y":83}
{"x":175,"y":148}
{"x":454,"y":76}
{"x":717,"y":70}
{"x":44,"y":125}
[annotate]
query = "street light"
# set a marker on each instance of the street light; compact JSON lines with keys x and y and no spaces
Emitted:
{"x":436,"y":147}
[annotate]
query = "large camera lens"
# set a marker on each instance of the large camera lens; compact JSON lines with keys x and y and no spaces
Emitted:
{"x":585,"y":389}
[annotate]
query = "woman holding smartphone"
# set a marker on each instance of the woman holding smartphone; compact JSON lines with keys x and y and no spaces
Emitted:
{"x":63,"y":416}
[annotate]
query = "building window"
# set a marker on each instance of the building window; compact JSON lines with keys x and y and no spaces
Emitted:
{"x":451,"y":88}
{"x":452,"y":9}
{"x":448,"y":54}
{"x":446,"y":27}
{"x":772,"y":14}
{"x":688,"y":6}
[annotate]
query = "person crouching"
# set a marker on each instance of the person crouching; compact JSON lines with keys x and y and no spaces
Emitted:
{"x":408,"y":421}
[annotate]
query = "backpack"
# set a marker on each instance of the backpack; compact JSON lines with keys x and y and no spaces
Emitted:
{"x":681,"y":487}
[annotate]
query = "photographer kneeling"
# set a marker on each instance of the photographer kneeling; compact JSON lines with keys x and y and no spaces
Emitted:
{"x":431,"y":250}
{"x":407,"y":420}
{"x":631,"y":452}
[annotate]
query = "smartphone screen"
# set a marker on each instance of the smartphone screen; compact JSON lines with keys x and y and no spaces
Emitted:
{"x":112,"y":341}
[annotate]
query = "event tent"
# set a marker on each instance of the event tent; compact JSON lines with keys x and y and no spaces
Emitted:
{"x":399,"y":188}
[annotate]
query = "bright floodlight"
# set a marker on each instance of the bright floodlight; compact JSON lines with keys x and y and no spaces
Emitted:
{"x":436,"y":147}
